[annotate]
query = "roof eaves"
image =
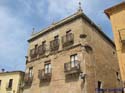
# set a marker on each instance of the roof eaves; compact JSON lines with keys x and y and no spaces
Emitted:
{"x":72,"y":17}
{"x":108,"y":11}
{"x":100,"y":31}
{"x":57,"y":24}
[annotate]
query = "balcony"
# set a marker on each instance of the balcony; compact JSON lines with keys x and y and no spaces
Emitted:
{"x":33,"y":53}
{"x":122,"y":35}
{"x":72,"y":67}
{"x":44,"y":76}
{"x":54,"y":45}
{"x":28,"y":79}
{"x":42,"y":49}
{"x":68,"y":40}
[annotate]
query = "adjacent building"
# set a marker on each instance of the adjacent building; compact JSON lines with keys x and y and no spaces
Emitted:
{"x":116,"y":14}
{"x":71,"y":56}
{"x":11,"y":82}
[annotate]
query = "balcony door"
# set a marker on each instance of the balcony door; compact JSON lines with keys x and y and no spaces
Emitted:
{"x":47,"y":68}
{"x":30,"y":71}
{"x":73,"y":59}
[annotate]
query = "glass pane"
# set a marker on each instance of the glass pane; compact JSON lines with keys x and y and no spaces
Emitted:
{"x":46,"y":68}
{"x":72,"y":58}
{"x":30,"y":71}
{"x":76,"y":57}
{"x":49,"y":68}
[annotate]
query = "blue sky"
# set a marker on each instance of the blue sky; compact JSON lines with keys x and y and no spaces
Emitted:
{"x":18,"y":17}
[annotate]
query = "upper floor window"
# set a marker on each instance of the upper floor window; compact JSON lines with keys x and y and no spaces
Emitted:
{"x":122,"y":35}
{"x":47,"y":68}
{"x":68,"y":32}
{"x":28,"y":78}
{"x":34,"y":51}
{"x":36,"y":46}
{"x":73,"y":66}
{"x":10,"y":83}
{"x":56,"y":37}
{"x":73,"y":59}
{"x":44,"y":43}
{"x":68,"y":39}
{"x":30,"y":71}
{"x":54,"y":44}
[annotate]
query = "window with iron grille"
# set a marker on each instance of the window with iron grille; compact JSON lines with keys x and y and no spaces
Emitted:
{"x":54,"y":44}
{"x":34,"y":51}
{"x":68,"y":39}
{"x":42,"y":48}
{"x":30,"y":71}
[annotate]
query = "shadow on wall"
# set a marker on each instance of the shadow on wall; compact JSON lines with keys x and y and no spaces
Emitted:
{"x":72,"y":77}
{"x":44,"y":83}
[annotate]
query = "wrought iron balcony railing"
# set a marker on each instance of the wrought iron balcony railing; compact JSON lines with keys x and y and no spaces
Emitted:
{"x":54,"y":45}
{"x":43,"y":75}
{"x":68,"y":40}
{"x":122,"y":35}
{"x":42,"y":49}
{"x":33,"y":53}
{"x":72,"y":67}
{"x":28,"y":79}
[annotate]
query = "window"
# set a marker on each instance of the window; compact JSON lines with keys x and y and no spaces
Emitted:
{"x":122,"y":35}
{"x":73,"y":59}
{"x":0,"y":82}
{"x":68,"y":32}
{"x":44,"y":42}
{"x":47,"y":68}
{"x":10,"y":83}
{"x":99,"y":84}
{"x":56,"y":37}
{"x":31,"y":71}
{"x":33,"y":52}
{"x":123,"y":89}
{"x":118,"y":76}
{"x":36,"y":46}
{"x":100,"y":89}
